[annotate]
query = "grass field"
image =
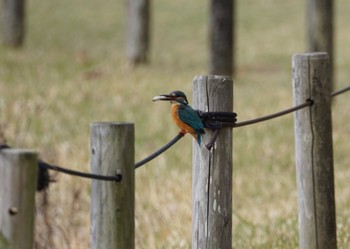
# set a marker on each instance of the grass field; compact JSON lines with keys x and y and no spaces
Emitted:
{"x":72,"y":71}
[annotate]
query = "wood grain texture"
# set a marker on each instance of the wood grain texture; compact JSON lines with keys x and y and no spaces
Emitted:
{"x":113,"y":203}
{"x":314,"y":152}
{"x":212,"y":170}
{"x":18,"y":173}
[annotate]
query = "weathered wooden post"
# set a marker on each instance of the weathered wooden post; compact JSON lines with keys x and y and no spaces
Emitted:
{"x":212,"y":170}
{"x":112,"y":203}
{"x":18,"y":179}
{"x":314,"y":152}
{"x":137,"y":31}
{"x":320,"y":29}
{"x":13,"y":22}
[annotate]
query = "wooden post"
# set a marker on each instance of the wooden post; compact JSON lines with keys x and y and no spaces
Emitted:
{"x":13,"y":22}
{"x":314,"y":153}
{"x":320,"y":29}
{"x":112,"y":203}
{"x":137,"y":31}
{"x":212,"y":170}
{"x":221,"y":37}
{"x":18,"y":173}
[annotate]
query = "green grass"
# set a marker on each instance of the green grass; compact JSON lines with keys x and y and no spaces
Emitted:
{"x":72,"y":71}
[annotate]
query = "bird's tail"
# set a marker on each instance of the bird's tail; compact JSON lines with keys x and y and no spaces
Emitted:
{"x":199,"y":138}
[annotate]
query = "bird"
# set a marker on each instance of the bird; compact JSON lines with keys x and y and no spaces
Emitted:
{"x":183,"y":115}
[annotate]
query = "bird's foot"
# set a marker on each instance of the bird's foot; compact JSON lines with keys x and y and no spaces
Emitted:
{"x":183,"y":132}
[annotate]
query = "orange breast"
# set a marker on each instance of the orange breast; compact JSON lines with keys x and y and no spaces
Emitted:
{"x":183,"y":126}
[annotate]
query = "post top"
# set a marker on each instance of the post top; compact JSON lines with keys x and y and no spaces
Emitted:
{"x":311,"y":55}
{"x":112,"y":123}
{"x":201,"y":77}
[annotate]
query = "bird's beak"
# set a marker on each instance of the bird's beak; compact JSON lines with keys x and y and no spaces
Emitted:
{"x":163,"y":97}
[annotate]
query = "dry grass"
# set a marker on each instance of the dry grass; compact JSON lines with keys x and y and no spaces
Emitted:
{"x":72,"y":72}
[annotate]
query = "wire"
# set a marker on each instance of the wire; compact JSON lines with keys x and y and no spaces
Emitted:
{"x":43,"y":165}
{"x":275,"y":115}
{"x":116,"y":178}
{"x":160,"y":151}
{"x":343,"y":90}
{"x":293,"y":109}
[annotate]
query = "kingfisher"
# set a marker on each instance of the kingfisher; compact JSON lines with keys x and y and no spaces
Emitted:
{"x":183,"y":115}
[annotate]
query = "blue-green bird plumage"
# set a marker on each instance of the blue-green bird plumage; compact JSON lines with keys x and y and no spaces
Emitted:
{"x":191,"y":118}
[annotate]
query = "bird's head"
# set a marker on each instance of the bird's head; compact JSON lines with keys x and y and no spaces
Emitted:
{"x":175,"y":97}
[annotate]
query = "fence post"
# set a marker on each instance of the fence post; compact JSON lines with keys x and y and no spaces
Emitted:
{"x":112,"y":203}
{"x":18,"y":173}
{"x":319,"y":14}
{"x":212,"y":170}
{"x":222,"y":32}
{"x":314,"y":152}
{"x":13,"y":22}
{"x":137,"y":31}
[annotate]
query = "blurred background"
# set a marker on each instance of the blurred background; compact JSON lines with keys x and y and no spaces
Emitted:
{"x":73,"y":70}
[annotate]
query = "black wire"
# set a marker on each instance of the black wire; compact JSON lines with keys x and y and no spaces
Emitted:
{"x":343,"y":90}
{"x":293,"y":109}
{"x":275,"y":115}
{"x":116,"y":178}
{"x":160,"y":151}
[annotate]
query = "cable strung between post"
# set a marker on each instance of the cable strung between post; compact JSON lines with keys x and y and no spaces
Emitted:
{"x":293,"y":109}
{"x":160,"y":151}
{"x":343,"y":90}
{"x":274,"y":115}
{"x":116,"y":178}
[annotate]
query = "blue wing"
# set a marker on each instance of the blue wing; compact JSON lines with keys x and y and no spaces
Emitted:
{"x":191,"y":117}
